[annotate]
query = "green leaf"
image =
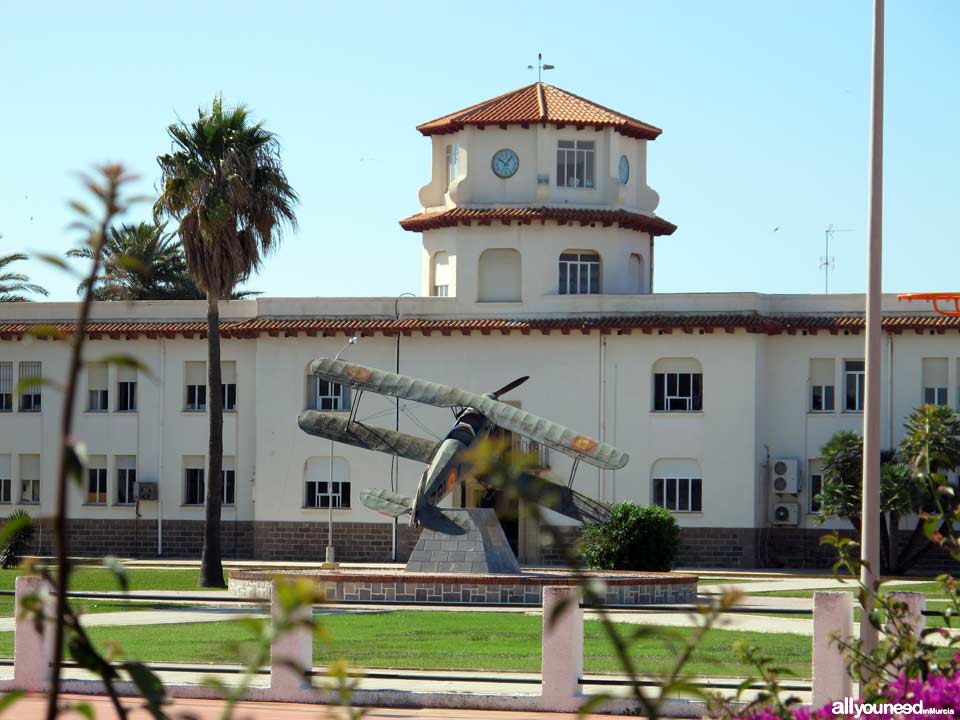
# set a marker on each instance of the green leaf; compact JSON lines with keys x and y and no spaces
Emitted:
{"x":9,"y":698}
{"x":29,"y":384}
{"x":83,"y":709}
{"x":45,"y":331}
{"x":127,"y":361}
{"x":75,"y":457}
{"x":89,"y":659}
{"x":594,"y":703}
{"x":56,"y":261}
{"x":119,"y":572}
{"x":150,"y":686}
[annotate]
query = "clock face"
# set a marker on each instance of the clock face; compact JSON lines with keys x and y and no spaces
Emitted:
{"x":624,"y":169}
{"x":505,"y":163}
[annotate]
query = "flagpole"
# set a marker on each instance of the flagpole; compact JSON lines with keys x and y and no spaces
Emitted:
{"x":870,"y":514}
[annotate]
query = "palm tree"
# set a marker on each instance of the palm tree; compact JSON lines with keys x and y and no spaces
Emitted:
{"x":224,"y":185}
{"x":143,"y":262}
{"x":13,"y":284}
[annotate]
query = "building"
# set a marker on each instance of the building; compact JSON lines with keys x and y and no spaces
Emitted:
{"x":538,"y":230}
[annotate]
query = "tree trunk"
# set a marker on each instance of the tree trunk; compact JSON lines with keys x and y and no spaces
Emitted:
{"x":211,"y":567}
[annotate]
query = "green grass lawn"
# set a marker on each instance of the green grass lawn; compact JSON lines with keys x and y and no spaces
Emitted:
{"x":97,"y":579}
{"x":932,"y":590}
{"x":446,"y":640}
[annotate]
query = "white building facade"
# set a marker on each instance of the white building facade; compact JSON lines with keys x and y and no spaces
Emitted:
{"x":538,"y":232}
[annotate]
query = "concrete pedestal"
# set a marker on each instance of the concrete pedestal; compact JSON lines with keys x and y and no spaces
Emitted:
{"x":480,"y":548}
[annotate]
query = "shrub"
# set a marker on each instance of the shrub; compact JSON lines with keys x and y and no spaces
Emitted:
{"x":636,"y":537}
{"x":19,"y":541}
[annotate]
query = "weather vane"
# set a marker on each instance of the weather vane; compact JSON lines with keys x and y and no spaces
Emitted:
{"x":540,"y":66}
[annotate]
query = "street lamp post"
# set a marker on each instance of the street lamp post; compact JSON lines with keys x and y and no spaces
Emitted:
{"x":870,"y":512}
{"x":330,"y":558}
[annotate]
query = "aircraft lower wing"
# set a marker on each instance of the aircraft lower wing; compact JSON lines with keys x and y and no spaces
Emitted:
{"x":386,"y":502}
{"x":560,"y":498}
{"x":369,"y":437}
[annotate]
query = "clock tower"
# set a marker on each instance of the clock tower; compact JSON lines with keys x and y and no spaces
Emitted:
{"x":535,"y":194}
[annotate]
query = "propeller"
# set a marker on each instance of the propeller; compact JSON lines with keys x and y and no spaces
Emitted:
{"x":509,"y":386}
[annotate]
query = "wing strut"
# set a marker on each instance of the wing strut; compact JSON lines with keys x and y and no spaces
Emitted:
{"x":573,"y":471}
{"x":356,"y":406}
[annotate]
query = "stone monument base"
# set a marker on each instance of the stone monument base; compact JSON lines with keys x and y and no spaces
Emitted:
{"x":480,"y":548}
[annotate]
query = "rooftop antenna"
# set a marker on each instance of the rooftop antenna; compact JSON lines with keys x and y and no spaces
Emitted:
{"x":826,"y":260}
{"x":540,"y":66}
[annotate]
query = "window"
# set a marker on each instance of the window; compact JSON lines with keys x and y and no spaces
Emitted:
{"x":6,"y":386}
{"x":454,"y":163}
{"x":441,"y":275}
{"x":229,"y":475}
{"x":29,"y":479}
{"x":97,"y":387}
{"x":126,"y":479}
{"x":126,"y":389}
{"x":934,"y":381}
{"x":228,"y":388}
{"x":816,"y":483}
{"x":318,"y":491}
{"x":326,"y":395}
{"x":193,"y":486}
{"x":679,"y":494}
{"x":196,"y":381}
{"x":677,"y":386}
{"x":822,"y":385}
{"x":853,"y":375}
{"x":575,"y":163}
{"x":500,"y":278}
{"x":30,"y":395}
{"x":6,"y":481}
{"x":580,"y":273}
{"x":97,"y":481}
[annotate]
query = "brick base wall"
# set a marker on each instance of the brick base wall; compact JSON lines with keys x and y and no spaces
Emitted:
{"x":735,"y":548}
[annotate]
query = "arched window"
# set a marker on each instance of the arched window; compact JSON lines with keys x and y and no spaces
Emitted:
{"x":319,"y":491}
{"x":440,"y":287}
{"x":499,"y":276}
{"x":579,"y":272}
{"x":677,"y":385}
{"x":677,"y":484}
{"x":637,"y":280}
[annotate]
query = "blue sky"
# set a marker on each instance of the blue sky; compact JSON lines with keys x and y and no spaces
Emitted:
{"x":764,"y":106}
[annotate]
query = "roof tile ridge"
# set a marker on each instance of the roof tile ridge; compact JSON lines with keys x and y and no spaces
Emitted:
{"x":541,"y":102}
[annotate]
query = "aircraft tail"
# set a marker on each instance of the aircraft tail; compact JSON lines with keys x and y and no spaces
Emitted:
{"x":386,"y":502}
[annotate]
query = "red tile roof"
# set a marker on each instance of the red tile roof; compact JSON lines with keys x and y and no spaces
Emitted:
{"x":562,"y":215}
{"x":625,"y":324}
{"x":540,"y":103}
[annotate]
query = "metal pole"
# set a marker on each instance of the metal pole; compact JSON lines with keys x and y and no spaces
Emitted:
{"x":330,"y":555}
{"x":870,"y":514}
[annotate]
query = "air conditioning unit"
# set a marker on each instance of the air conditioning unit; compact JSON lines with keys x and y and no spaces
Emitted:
{"x":785,"y":514}
{"x":785,"y":476}
{"x":147,"y":491}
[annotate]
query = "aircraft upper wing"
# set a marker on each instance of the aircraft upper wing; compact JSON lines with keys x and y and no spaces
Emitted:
{"x":549,"y":433}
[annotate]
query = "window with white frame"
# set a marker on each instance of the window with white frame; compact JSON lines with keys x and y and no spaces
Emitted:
{"x":319,"y":492}
{"x":229,"y":475}
{"x":193,"y":485}
{"x":29,"y":479}
{"x":815,"y":473}
{"x":579,"y":273}
{"x":441,"y":275}
{"x":853,"y":388}
{"x":677,"y":385}
{"x":228,"y":387}
{"x":676,"y":484}
{"x":934,"y":381}
{"x":326,"y":394}
{"x":97,"y":480}
{"x":6,"y":480}
{"x":575,"y":163}
{"x":455,"y":163}
{"x":97,"y":394}
{"x":6,"y":386}
{"x":126,"y":389}
{"x":822,"y":390}
{"x":30,"y":392}
{"x":126,"y":479}
{"x":195,"y":376}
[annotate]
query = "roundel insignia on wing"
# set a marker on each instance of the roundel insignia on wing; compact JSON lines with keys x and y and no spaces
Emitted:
{"x":358,"y":373}
{"x":583,"y":444}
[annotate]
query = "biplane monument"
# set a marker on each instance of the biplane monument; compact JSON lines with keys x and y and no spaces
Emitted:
{"x":461,"y":539}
